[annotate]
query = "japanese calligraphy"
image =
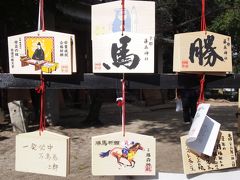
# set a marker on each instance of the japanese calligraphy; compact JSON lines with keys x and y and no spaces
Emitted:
{"x":63,"y":49}
{"x":121,"y":56}
{"x":147,"y":43}
{"x":223,"y":156}
{"x":46,"y":154}
{"x":148,"y":166}
{"x":204,"y":51}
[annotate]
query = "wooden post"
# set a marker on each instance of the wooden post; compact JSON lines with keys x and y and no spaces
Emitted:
{"x":52,"y":95}
{"x":17,"y":116}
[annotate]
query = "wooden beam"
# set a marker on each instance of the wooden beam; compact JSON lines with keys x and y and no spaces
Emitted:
{"x":111,"y":81}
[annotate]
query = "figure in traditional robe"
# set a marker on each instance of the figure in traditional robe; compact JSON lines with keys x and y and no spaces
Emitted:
{"x":39,"y":53}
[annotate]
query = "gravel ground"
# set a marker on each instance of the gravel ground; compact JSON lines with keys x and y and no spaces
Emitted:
{"x":164,"y":124}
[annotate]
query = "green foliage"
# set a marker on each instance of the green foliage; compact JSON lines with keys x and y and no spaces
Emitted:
{"x":227,"y":21}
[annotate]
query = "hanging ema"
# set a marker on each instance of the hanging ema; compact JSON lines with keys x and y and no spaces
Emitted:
{"x":115,"y":154}
{"x":42,"y":51}
{"x":202,"y":51}
{"x":123,"y":41}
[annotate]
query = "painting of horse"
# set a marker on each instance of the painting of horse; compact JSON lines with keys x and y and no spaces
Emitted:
{"x":118,"y":153}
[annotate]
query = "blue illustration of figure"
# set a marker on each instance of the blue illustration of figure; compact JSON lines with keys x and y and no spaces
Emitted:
{"x":117,"y":22}
{"x":126,"y":147}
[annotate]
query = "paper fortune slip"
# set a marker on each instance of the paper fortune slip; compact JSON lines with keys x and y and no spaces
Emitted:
{"x":133,"y":154}
{"x":223,"y":156}
{"x":203,"y":132}
{"x":42,"y":51}
{"x":202,"y":51}
{"x":139,"y":17}
{"x":45,"y":154}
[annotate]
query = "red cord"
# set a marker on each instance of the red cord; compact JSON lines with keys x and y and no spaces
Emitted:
{"x":203,"y":19}
{"x":202,"y":80}
{"x":41,"y":91}
{"x":42,"y":14}
{"x":123,"y":107}
{"x":123,"y":14}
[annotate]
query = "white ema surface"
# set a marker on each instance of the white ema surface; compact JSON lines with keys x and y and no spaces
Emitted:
{"x":139,"y":18}
{"x":133,"y":154}
{"x":47,"y":153}
{"x":130,"y":53}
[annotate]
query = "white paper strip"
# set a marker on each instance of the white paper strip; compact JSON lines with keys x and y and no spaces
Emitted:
{"x":203,"y":132}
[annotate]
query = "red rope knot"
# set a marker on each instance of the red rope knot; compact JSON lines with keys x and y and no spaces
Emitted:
{"x":41,"y":90}
{"x":119,"y":101}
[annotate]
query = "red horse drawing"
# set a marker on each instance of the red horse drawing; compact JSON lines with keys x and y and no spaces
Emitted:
{"x":118,"y":153}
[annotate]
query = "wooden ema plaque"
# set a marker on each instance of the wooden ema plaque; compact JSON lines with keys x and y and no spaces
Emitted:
{"x":42,"y":51}
{"x":47,"y":153}
{"x":133,"y":154}
{"x":202,"y":51}
{"x":222,"y":158}
{"x":123,"y":51}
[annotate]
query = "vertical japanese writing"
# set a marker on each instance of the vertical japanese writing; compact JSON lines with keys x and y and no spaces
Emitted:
{"x":147,"y":45}
{"x":226,"y":44}
{"x":45,"y":152}
{"x":20,"y":43}
{"x":223,"y":156}
{"x":61,"y":49}
{"x":12,"y":58}
{"x":66,"y":48}
{"x":148,"y":165}
{"x":16,"y":50}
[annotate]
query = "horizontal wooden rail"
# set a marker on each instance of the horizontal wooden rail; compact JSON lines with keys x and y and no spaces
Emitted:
{"x":111,"y":81}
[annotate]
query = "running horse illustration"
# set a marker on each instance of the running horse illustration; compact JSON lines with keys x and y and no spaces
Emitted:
{"x":119,"y":153}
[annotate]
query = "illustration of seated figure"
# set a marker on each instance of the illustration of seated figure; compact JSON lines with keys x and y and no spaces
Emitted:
{"x":38,"y":53}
